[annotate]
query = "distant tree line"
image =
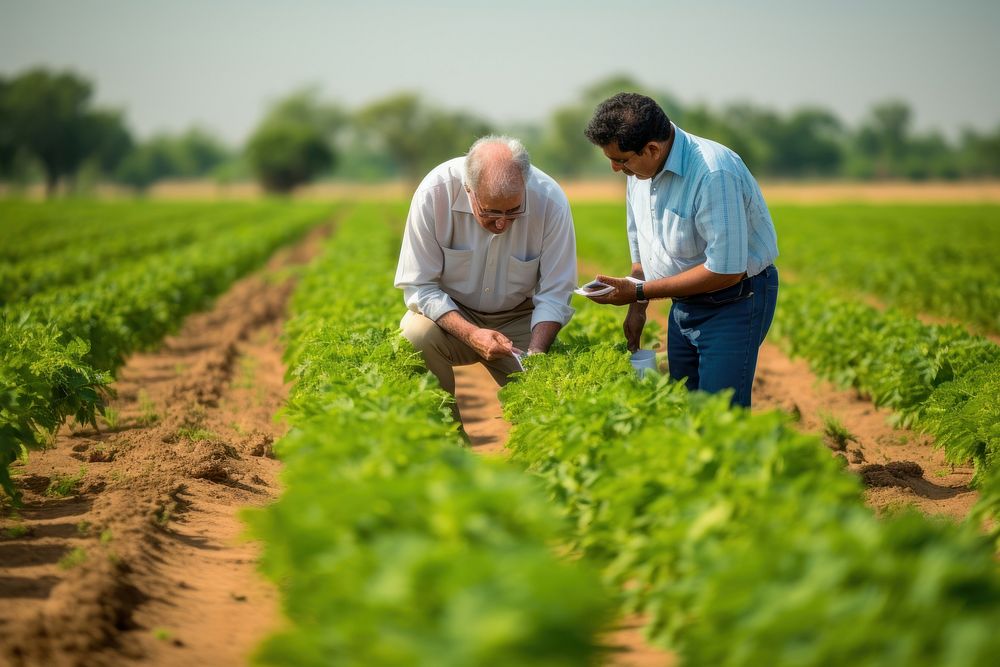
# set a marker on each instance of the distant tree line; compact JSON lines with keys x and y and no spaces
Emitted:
{"x":50,"y":129}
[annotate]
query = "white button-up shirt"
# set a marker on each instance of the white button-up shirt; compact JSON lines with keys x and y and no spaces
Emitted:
{"x":447,"y":258}
{"x":703,"y":207}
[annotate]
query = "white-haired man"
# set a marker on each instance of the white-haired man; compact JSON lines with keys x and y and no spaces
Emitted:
{"x":488,"y":261}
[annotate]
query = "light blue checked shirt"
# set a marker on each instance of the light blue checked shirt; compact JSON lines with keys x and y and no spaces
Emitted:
{"x":704,"y":207}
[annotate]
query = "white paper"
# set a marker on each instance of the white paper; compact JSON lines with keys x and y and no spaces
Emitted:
{"x":608,"y":289}
{"x":517,"y":358}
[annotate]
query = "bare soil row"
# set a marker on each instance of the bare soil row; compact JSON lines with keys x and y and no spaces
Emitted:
{"x":137,"y":559}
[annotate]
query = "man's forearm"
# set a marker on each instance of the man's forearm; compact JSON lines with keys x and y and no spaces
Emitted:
{"x":695,"y":280}
{"x":542,"y":335}
{"x":456,"y":325}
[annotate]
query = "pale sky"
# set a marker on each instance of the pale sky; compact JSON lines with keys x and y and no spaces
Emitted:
{"x":217,"y":64}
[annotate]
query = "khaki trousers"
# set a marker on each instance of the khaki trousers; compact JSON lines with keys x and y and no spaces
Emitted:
{"x":442,"y":351}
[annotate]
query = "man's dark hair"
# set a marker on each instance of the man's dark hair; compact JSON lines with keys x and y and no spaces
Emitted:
{"x":629,"y":119}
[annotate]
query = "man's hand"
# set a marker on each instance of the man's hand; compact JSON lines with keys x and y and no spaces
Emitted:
{"x":634,"y":323}
{"x":623,"y":294}
{"x":491,"y":344}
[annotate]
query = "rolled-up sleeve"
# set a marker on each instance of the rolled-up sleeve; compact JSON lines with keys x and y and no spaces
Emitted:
{"x":630,"y":226}
{"x":421,"y":261}
{"x":557,"y":270}
{"x":721,"y":220}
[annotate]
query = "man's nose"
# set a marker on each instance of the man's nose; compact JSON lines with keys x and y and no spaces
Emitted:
{"x":615,"y":167}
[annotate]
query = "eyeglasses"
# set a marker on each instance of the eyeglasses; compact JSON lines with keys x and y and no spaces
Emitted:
{"x":490,"y":214}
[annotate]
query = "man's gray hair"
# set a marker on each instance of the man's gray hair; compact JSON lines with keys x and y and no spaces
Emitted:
{"x":497,"y":166}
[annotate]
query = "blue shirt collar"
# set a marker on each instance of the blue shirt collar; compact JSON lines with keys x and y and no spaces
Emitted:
{"x":675,"y":159}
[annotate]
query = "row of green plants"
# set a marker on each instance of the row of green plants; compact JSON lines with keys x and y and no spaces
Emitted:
{"x":393,"y":544}
{"x":61,"y":348}
{"x":38,"y":229}
{"x":51,"y":252}
{"x":936,"y":259}
{"x":743,"y":541}
{"x":937,"y":378}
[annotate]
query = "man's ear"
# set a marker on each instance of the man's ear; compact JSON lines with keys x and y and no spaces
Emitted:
{"x":653,"y":148}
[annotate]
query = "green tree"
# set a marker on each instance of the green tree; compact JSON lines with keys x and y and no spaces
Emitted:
{"x":193,"y":154}
{"x":285,"y":154}
{"x":929,"y":156}
{"x":564,"y":149}
{"x":295,"y":141}
{"x":702,"y":121}
{"x":8,"y":146}
{"x":808,"y":142}
{"x":980,"y":153}
{"x":815,"y":145}
{"x":49,"y":115}
{"x":305,"y":106}
{"x":883,"y":138}
{"x":108,"y":140}
{"x":196,"y":153}
{"x":416,"y":135}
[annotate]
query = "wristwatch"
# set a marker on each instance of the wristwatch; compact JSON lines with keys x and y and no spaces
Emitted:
{"x":640,"y":297}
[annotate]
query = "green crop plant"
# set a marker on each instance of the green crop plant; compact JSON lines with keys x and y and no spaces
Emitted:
{"x":394,"y":544}
{"x":63,"y":334}
{"x":77,"y":556}
{"x":835,"y":433}
{"x":62,"y":486}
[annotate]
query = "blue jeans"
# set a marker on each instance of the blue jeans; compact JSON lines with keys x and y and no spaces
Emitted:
{"x":713,"y":339}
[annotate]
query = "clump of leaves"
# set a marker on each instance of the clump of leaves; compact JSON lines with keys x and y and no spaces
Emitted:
{"x":835,"y":433}
{"x":147,"y":409}
{"x":75,"y":557}
{"x":63,"y":486}
{"x":247,"y":375}
{"x":110,"y":416}
{"x":18,"y":530}
{"x":195,"y":434}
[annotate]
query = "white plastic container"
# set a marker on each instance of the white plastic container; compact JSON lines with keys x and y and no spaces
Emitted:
{"x":644,"y":361}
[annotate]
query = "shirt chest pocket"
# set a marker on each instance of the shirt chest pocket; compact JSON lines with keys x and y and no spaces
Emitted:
{"x":457,"y":272}
{"x":522,"y":275}
{"x":678,"y":237}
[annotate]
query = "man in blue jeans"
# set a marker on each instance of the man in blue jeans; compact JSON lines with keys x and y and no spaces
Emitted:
{"x":699,"y":233}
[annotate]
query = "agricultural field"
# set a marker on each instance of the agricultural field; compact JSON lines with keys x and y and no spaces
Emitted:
{"x":604,"y":519}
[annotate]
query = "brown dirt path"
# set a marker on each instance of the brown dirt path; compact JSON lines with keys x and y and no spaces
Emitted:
{"x":934,"y":488}
{"x":141,"y":562}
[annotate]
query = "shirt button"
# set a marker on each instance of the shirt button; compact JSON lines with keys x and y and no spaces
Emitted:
{"x":487,"y":290}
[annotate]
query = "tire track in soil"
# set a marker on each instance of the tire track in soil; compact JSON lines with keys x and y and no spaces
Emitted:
{"x":162,"y":577}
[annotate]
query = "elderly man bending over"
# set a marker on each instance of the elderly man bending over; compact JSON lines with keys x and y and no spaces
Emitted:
{"x":488,"y":262}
